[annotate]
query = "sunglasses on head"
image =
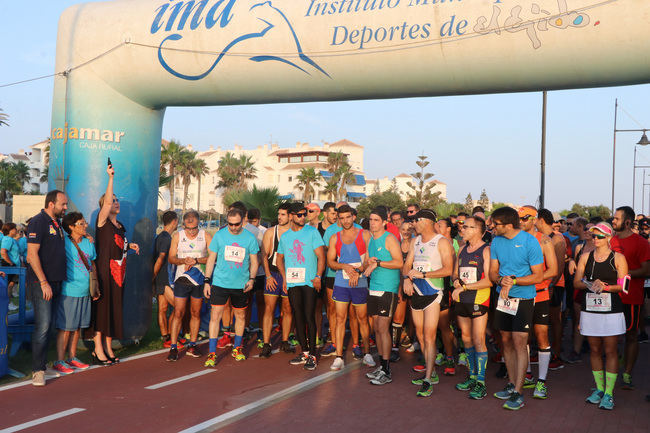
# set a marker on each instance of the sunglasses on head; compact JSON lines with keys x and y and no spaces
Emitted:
{"x":597,"y":236}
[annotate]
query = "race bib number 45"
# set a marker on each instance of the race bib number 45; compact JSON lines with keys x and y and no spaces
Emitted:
{"x":508,"y":306}
{"x":467,"y":274}
{"x":599,"y":302}
{"x":295,"y":275}
{"x":234,"y":254}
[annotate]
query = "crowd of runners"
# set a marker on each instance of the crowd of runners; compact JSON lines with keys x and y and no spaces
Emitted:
{"x":448,"y":289}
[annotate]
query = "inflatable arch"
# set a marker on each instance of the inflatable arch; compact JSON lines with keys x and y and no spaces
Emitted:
{"x":125,"y":61}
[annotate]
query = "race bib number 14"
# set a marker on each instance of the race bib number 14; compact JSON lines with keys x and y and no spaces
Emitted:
{"x":234,"y":254}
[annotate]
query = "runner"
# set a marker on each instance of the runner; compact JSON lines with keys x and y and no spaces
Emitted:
{"x":329,"y":218}
{"x":233,"y":257}
{"x":430,"y":259}
{"x":347,"y":255}
{"x":273,"y":289}
{"x":189,"y":252}
{"x":472,"y":296}
{"x":600,"y":276}
{"x":399,"y":317}
{"x":161,"y":285}
{"x":384,"y":264}
{"x":528,"y":222}
{"x":313,"y":214}
{"x":254,"y":217}
{"x":301,"y":262}
{"x":397,"y":218}
{"x":516,"y":265}
{"x":637,"y":254}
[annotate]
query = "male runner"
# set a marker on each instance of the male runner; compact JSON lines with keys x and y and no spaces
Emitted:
{"x":162,"y":288}
{"x":541,"y":309}
{"x":254,"y":216}
{"x":429,"y":261}
{"x":516,"y":265}
{"x":189,"y":252}
{"x":313,"y":213}
{"x":346,"y":255}
{"x":637,"y":253}
{"x":273,"y":289}
{"x":384,"y":264}
{"x":301,"y":262}
{"x":233,"y":258}
{"x":397,"y":218}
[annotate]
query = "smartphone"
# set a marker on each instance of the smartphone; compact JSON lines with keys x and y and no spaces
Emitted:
{"x":109,"y":161}
{"x":626,"y":283}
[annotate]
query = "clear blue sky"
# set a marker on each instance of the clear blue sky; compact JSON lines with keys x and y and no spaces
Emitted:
{"x":473,"y":142}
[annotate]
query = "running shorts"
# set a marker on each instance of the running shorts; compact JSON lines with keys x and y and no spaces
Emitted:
{"x":522,"y":321}
{"x":382,"y":303}
{"x":219,"y":296}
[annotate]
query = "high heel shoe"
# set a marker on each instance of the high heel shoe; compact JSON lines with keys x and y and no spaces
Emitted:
{"x":104,"y":362}
{"x":114,"y":360}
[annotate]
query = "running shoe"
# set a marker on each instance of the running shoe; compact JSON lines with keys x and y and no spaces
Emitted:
{"x":211,"y":361}
{"x":627,"y":381}
{"x":466,"y":385}
{"x":506,"y":392}
{"x":394,"y":355}
{"x":182,"y":341}
{"x":463,"y":359}
{"x":292,"y":340}
{"x":573,"y":358}
{"x":382,"y":378}
{"x":372,"y":374}
{"x":356,"y":352}
{"x":534,"y":359}
{"x":62,"y":367}
{"x":319,"y":342}
{"x":168,"y":344}
{"x":286,"y":347}
{"x":266,"y":351}
{"x":450,"y":368}
{"x":478,"y":391}
{"x":371,"y":342}
{"x":540,"y":391}
{"x":238,"y":354}
{"x":260,"y":344}
{"x":413,"y":347}
{"x":406,"y":342}
{"x":369,"y":360}
{"x":193,"y":351}
{"x":328,"y":350}
{"x":76,"y":363}
{"x":515,"y":402}
{"x":173,"y":355}
{"x":440,"y":358}
{"x":420,"y":368}
{"x":300,"y":359}
{"x":607,"y":402}
{"x":311,"y":363}
{"x":426,"y":389}
{"x":556,"y":363}
{"x":434,"y":379}
{"x":595,"y":397}
{"x":338,"y":364}
{"x":529,"y":381}
{"x":224,"y":342}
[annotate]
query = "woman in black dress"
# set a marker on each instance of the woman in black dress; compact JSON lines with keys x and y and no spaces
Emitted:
{"x":112,"y":247}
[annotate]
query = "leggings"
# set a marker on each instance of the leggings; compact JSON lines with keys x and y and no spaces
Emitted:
{"x":303,"y":305}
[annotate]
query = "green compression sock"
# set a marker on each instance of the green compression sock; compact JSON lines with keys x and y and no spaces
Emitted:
{"x":599,"y":378}
{"x":609,"y":384}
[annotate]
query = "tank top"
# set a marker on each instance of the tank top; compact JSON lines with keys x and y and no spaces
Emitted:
{"x":470,"y":270}
{"x":427,"y":258}
{"x":560,"y":282}
{"x":382,"y":279}
{"x":352,"y":254}
{"x":605,"y":272}
{"x":273,"y":257}
{"x":542,"y":288}
{"x":195,"y":248}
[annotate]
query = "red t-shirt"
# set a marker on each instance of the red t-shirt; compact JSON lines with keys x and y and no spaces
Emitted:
{"x":392,"y":228}
{"x":636,"y":251}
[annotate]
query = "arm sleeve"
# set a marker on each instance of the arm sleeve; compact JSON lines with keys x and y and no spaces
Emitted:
{"x":35,"y":231}
{"x":281,"y":246}
{"x":165,"y":244}
{"x":535,"y":255}
{"x":494,"y":247}
{"x":214,"y":244}
{"x":253,"y":248}
{"x":317,"y":240}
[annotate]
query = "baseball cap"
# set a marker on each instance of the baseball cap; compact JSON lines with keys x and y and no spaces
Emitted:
{"x":313,"y":206}
{"x":556,"y":217}
{"x":296,"y":207}
{"x":603,"y":227}
{"x":428,"y":214}
{"x":526,"y":211}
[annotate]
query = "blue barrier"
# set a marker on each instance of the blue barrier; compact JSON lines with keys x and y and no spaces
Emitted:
{"x":20,"y":330}
{"x":4,"y":343}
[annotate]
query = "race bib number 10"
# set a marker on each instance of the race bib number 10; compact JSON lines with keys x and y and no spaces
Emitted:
{"x":234,"y":254}
{"x":508,"y":306}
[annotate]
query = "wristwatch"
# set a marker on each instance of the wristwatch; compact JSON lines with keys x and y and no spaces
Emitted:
{"x":378,"y":263}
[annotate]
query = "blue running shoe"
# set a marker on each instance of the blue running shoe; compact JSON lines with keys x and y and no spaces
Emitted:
{"x":506,"y":392}
{"x":607,"y":402}
{"x":356,"y":351}
{"x":515,"y":402}
{"x":328,"y":350}
{"x":595,"y":397}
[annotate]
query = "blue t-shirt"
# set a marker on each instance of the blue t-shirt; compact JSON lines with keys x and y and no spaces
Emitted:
{"x":22,"y":247}
{"x":78,"y":277}
{"x":329,"y":232}
{"x":382,"y":279}
{"x":10,"y":244}
{"x":298,"y":250}
{"x":516,"y":256}
{"x":233,"y":258}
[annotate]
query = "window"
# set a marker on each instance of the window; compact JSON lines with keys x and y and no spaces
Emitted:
{"x":295,"y":159}
{"x":290,"y":178}
{"x":310,"y":158}
{"x":284,"y":160}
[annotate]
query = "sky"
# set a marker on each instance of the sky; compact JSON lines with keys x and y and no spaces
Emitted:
{"x":489,"y":142}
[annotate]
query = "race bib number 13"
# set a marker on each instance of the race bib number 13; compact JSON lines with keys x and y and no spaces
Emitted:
{"x":600,"y":303}
{"x":234,"y":254}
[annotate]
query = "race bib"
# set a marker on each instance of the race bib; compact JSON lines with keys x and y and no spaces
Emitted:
{"x":508,"y":306}
{"x":422,"y":266}
{"x":467,"y":274}
{"x":295,"y":275}
{"x":599,"y":302}
{"x":234,"y":254}
{"x":375,"y":293}
{"x":345,"y":275}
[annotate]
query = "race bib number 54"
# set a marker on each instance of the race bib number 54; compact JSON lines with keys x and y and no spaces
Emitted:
{"x":508,"y":306}
{"x":295,"y":275}
{"x":234,"y":254}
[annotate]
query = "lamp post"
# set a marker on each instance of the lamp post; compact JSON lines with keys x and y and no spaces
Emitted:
{"x":642,"y":142}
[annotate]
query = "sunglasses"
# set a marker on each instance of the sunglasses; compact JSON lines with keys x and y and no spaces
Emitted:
{"x":301,"y":214}
{"x":81,"y":223}
{"x":525,"y":218}
{"x":595,"y":236}
{"x":234,"y":224}
{"x":311,"y":211}
{"x":460,"y":223}
{"x":192,"y":228}
{"x":569,"y":224}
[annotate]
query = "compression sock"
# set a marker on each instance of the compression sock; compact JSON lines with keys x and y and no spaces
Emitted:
{"x":238,"y":339}
{"x":481,"y":362}
{"x":396,"y":332}
{"x":213,"y":345}
{"x":529,"y":368}
{"x":471,"y":359}
{"x":384,"y":365}
{"x":544,"y":360}
{"x":611,"y":381}
{"x":599,"y":378}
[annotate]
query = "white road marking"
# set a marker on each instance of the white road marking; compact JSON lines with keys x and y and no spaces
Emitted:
{"x":180,"y":379}
{"x":246,"y":410}
{"x":43,"y":420}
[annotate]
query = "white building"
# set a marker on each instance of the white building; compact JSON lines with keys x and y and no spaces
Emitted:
{"x":399,"y":182}
{"x":35,"y":159}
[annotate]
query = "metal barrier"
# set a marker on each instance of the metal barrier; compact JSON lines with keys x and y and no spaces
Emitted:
{"x":20,"y":331}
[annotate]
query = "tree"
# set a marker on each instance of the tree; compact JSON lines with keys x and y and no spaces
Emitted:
{"x":9,"y":182}
{"x":3,"y":118}
{"x":422,"y":193}
{"x":331,"y":189}
{"x":234,"y":172}
{"x":308,"y":181}
{"x":163,"y":180}
{"x":185,"y":167}
{"x":345,"y":177}
{"x":264,"y":199}
{"x":391,"y":199}
{"x":469,"y":203}
{"x":483,"y":200}
{"x":588,"y":212}
{"x":444,"y":209}
{"x":170,"y":155}
{"x":199,"y":169}
{"x":46,"y":160}
{"x":21,"y":171}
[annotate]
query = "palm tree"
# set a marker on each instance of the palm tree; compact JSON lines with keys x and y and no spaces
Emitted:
{"x":21,"y":171}
{"x":308,"y":180}
{"x":9,"y":182}
{"x":199,"y":169}
{"x":331,"y":189}
{"x":3,"y":118}
{"x":234,"y":172}
{"x":163,"y":180}
{"x":264,"y":199}
{"x":335,"y":160}
{"x":345,"y":177}
{"x":185,"y":169}
{"x":169,"y":156}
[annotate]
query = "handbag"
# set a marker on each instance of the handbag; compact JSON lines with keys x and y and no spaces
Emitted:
{"x":93,"y":285}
